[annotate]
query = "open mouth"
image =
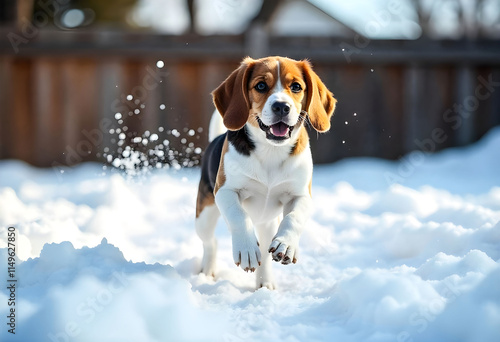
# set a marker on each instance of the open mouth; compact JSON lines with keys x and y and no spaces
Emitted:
{"x":277,"y":131}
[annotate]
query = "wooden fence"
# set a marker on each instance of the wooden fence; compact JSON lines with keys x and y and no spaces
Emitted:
{"x":61,"y":92}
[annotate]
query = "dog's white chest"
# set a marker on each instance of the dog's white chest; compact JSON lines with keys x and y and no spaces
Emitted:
{"x":264,"y":202}
{"x":264,"y":183}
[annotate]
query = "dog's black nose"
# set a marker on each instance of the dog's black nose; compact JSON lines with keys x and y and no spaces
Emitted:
{"x":280,"y":108}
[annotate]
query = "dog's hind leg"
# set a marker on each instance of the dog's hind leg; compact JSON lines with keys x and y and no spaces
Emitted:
{"x":264,"y":274}
{"x":205,"y":224}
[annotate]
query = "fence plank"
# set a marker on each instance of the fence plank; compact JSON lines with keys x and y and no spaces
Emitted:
{"x":21,"y":121}
{"x":5,"y":105}
{"x":47,"y":111}
{"x":81,"y":96}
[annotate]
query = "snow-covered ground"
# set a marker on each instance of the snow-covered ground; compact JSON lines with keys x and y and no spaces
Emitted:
{"x":395,"y":251}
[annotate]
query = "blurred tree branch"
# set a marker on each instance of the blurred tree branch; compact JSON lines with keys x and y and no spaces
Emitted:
{"x":14,"y":12}
{"x":192,"y":16}
{"x":266,"y":11}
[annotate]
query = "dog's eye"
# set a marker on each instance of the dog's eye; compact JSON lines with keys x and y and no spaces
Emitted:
{"x":295,"y":87}
{"x":261,"y":87}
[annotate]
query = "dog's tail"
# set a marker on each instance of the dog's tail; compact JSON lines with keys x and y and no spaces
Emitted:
{"x":216,"y":126}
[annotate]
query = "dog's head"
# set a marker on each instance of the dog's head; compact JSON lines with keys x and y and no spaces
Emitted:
{"x":274,"y":95}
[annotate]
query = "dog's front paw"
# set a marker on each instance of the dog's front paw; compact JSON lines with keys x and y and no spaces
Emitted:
{"x":246,"y":252}
{"x":284,"y":250}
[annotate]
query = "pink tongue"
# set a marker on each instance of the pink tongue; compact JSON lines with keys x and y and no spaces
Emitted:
{"x":279,"y":129}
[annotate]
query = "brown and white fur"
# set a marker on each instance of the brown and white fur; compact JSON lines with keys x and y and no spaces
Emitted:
{"x":259,"y":172}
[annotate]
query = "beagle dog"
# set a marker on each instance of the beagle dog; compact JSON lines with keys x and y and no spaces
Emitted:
{"x":259,"y":172}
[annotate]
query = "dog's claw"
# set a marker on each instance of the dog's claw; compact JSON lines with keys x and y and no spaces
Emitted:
{"x":283,"y":252}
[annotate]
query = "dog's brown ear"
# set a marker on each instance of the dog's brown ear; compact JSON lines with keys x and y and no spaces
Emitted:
{"x":320,"y":101}
{"x":231,"y":97}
